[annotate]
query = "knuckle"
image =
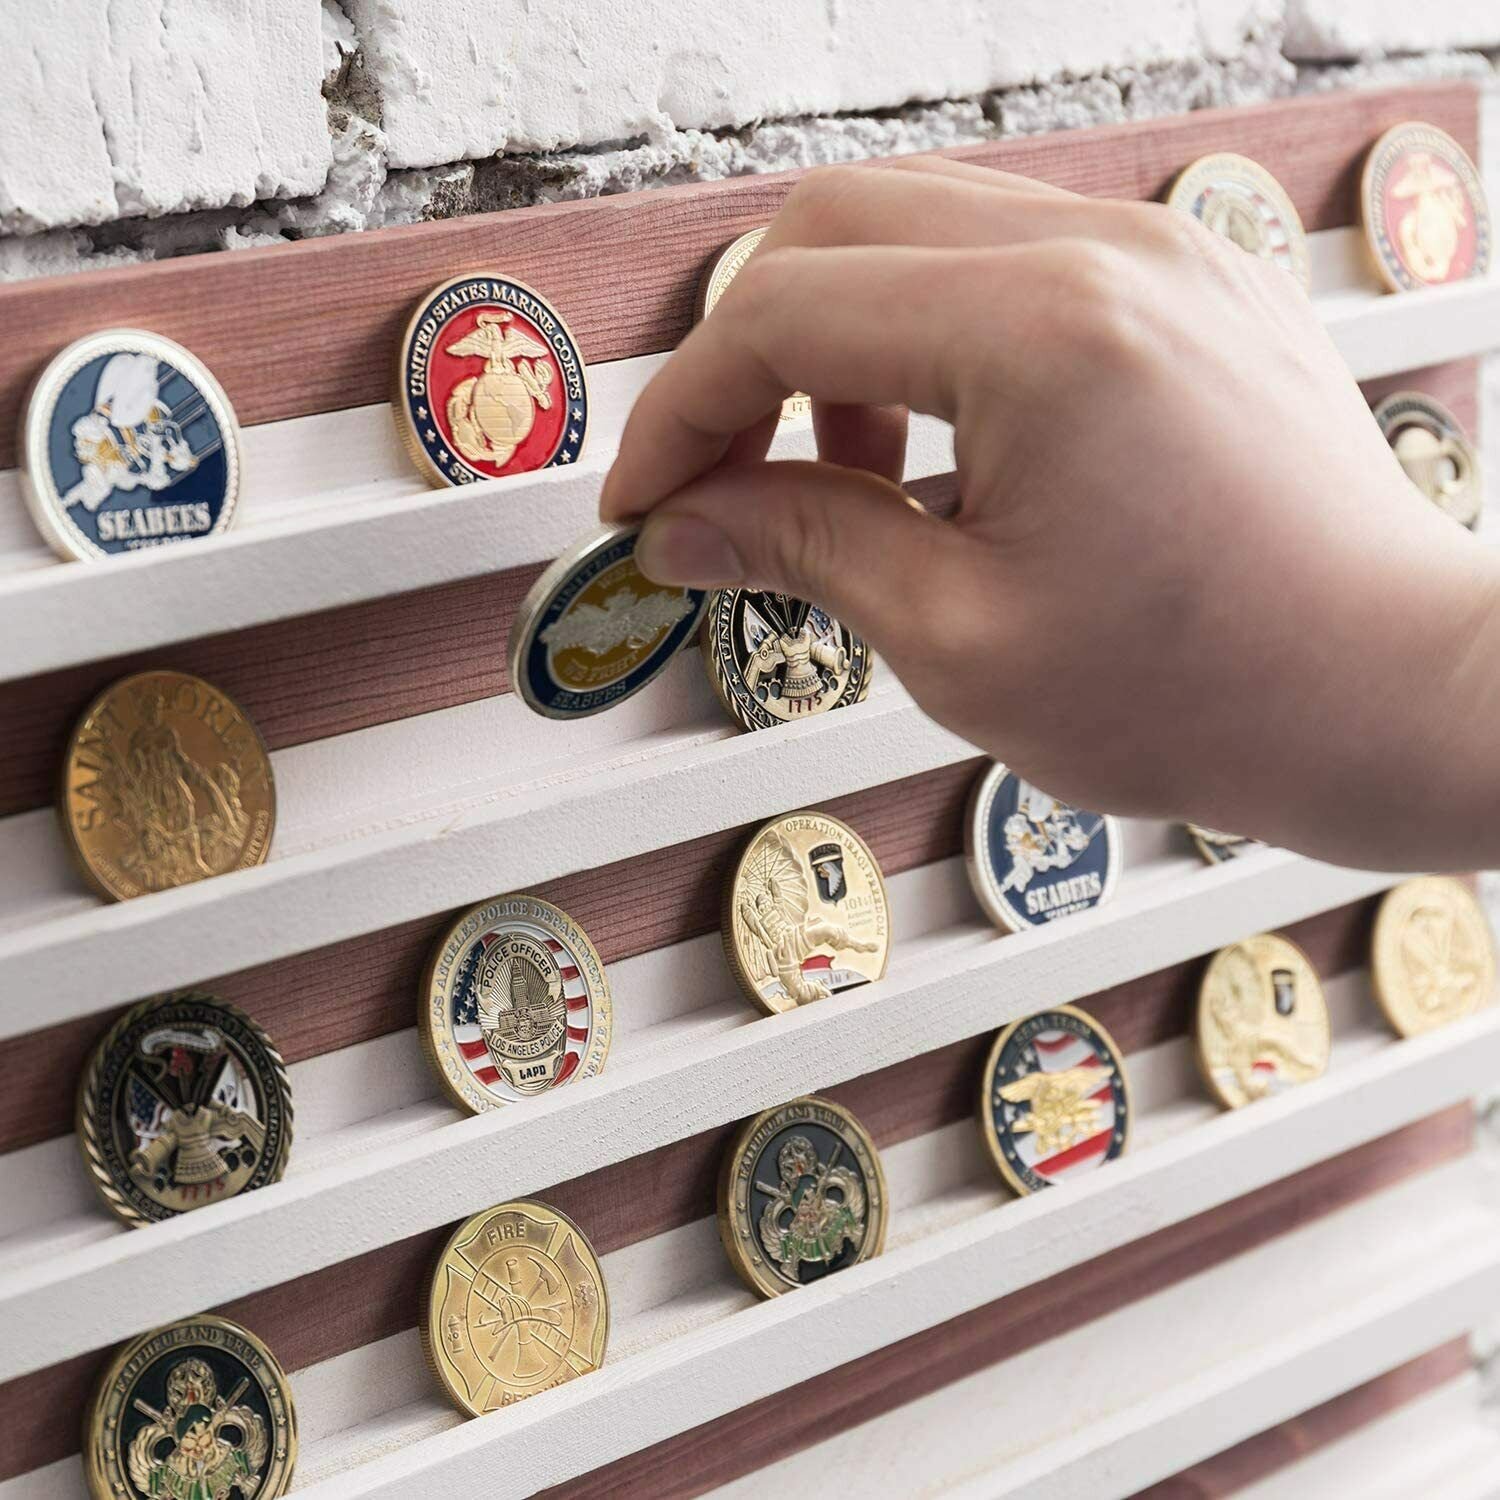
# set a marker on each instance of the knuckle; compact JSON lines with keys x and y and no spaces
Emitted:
{"x":1110,"y":315}
{"x":824,"y":205}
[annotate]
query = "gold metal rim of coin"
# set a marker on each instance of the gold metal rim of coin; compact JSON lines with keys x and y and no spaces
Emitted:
{"x":1216,"y":847}
{"x":93,"y":1114}
{"x":437,"y":1341}
{"x":802,"y":938}
{"x":107,"y":1482}
{"x":1243,"y":171}
{"x":1403,"y":411}
{"x":1239,"y":1055}
{"x":95,"y":847}
{"x":1395,"y":992}
{"x":434,"y":1001}
{"x":732,"y":1213}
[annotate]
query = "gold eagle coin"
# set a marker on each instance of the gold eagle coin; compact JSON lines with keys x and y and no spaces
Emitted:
{"x":516,"y":1305}
{"x":1432,"y":958}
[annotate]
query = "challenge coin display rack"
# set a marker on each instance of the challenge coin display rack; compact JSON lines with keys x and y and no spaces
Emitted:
{"x":360,"y":619}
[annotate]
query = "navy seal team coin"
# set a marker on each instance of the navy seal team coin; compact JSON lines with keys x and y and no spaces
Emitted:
{"x":1053,"y":1101}
{"x":514,"y":1003}
{"x":128,"y":442}
{"x":490,"y":382}
{"x":773,"y":659}
{"x":1240,"y":201}
{"x":183,"y":1103}
{"x":1219,"y":848}
{"x":801,"y":1196}
{"x":595,"y":630}
{"x":1436,"y":453}
{"x":1033,"y":859}
{"x":198,"y":1410}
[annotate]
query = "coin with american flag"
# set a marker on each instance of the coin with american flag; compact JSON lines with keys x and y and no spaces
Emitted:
{"x":514,"y":1002}
{"x":1054,"y":1103}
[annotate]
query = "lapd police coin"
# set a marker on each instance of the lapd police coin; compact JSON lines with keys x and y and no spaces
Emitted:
{"x":165,"y":781}
{"x":490,"y":381}
{"x":594,"y":630}
{"x":805,"y":912}
{"x":774,"y":659}
{"x":1423,"y":205}
{"x":801,"y":1196}
{"x":197,"y":1410}
{"x":1262,"y":1022}
{"x":184,"y":1102}
{"x":1054,"y":1103}
{"x":516,"y":1305}
{"x":1240,"y":201}
{"x":1033,"y":859}
{"x":1436,"y":453}
{"x":128,"y":442}
{"x":1219,"y":848}
{"x":514,"y":1003}
{"x":1432,"y":958}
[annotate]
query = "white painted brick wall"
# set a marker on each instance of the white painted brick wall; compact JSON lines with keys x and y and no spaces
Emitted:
{"x":1337,"y":29}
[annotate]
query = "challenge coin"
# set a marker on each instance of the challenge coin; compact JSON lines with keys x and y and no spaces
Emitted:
{"x":1262,"y":1024}
{"x":1426,"y":218}
{"x":516,"y":1305}
{"x":801,"y":1196}
{"x":1436,"y":453}
{"x":774,"y":659}
{"x":197,"y":1410}
{"x":1219,"y":848}
{"x":128,"y":442}
{"x":1053,"y":1100}
{"x":514,"y":1002}
{"x":594,"y":630}
{"x":1033,"y":859}
{"x":184,"y":1102}
{"x":490,"y":382}
{"x":1432,"y":958}
{"x":805,"y":912}
{"x":1240,"y":201}
{"x":165,"y":781}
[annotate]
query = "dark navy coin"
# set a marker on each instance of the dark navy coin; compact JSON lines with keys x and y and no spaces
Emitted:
{"x":1219,"y":848}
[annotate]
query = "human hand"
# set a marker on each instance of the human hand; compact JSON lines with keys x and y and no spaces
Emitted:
{"x":1187,"y":577}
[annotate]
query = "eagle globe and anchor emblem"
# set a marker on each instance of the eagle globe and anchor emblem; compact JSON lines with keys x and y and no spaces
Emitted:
{"x":491,"y":414}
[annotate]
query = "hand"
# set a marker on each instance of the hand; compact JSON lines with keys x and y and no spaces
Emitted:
{"x":1187,"y":577}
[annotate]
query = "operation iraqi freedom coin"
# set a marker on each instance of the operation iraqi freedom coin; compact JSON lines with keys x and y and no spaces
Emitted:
{"x":1033,"y":859}
{"x":1262,"y":1023}
{"x":514,"y":1002}
{"x":1053,"y":1100}
{"x":1436,"y":453}
{"x":801,"y":1196}
{"x":184,"y":1102}
{"x":516,"y":1305}
{"x":1219,"y":848}
{"x":773,"y":659}
{"x":1432,"y":958}
{"x":1423,"y":205}
{"x":199,"y":1408}
{"x":594,"y":630}
{"x":1240,"y":201}
{"x":490,"y":382}
{"x":128,"y":442}
{"x":805,"y":912}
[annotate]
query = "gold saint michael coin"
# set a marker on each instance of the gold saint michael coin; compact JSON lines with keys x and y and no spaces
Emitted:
{"x":1262,"y":1024}
{"x":805,"y":912}
{"x":165,"y":781}
{"x":1432,"y":959}
{"x":516,"y":1305}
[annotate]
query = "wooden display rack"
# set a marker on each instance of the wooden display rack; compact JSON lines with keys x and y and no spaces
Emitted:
{"x":1314,"y":1260}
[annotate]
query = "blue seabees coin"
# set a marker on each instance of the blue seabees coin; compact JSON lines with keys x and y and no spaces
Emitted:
{"x":594,"y":630}
{"x":1033,"y":859}
{"x":128,"y":442}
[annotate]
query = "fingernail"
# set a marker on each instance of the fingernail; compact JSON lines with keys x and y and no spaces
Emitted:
{"x":687,"y":551}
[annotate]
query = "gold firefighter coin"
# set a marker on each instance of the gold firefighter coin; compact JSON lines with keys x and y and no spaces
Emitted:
{"x":197,"y":1410}
{"x":1436,"y":453}
{"x":184,"y":1102}
{"x":1240,"y":201}
{"x":165,"y":781}
{"x":805,"y":912}
{"x":516,"y":1305}
{"x":1432,"y":957}
{"x":801,"y":1196}
{"x":1262,"y":1024}
{"x":1219,"y":848}
{"x":722,"y":270}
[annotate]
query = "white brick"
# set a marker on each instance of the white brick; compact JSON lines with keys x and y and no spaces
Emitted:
{"x":119,"y":107}
{"x":1328,"y":29}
